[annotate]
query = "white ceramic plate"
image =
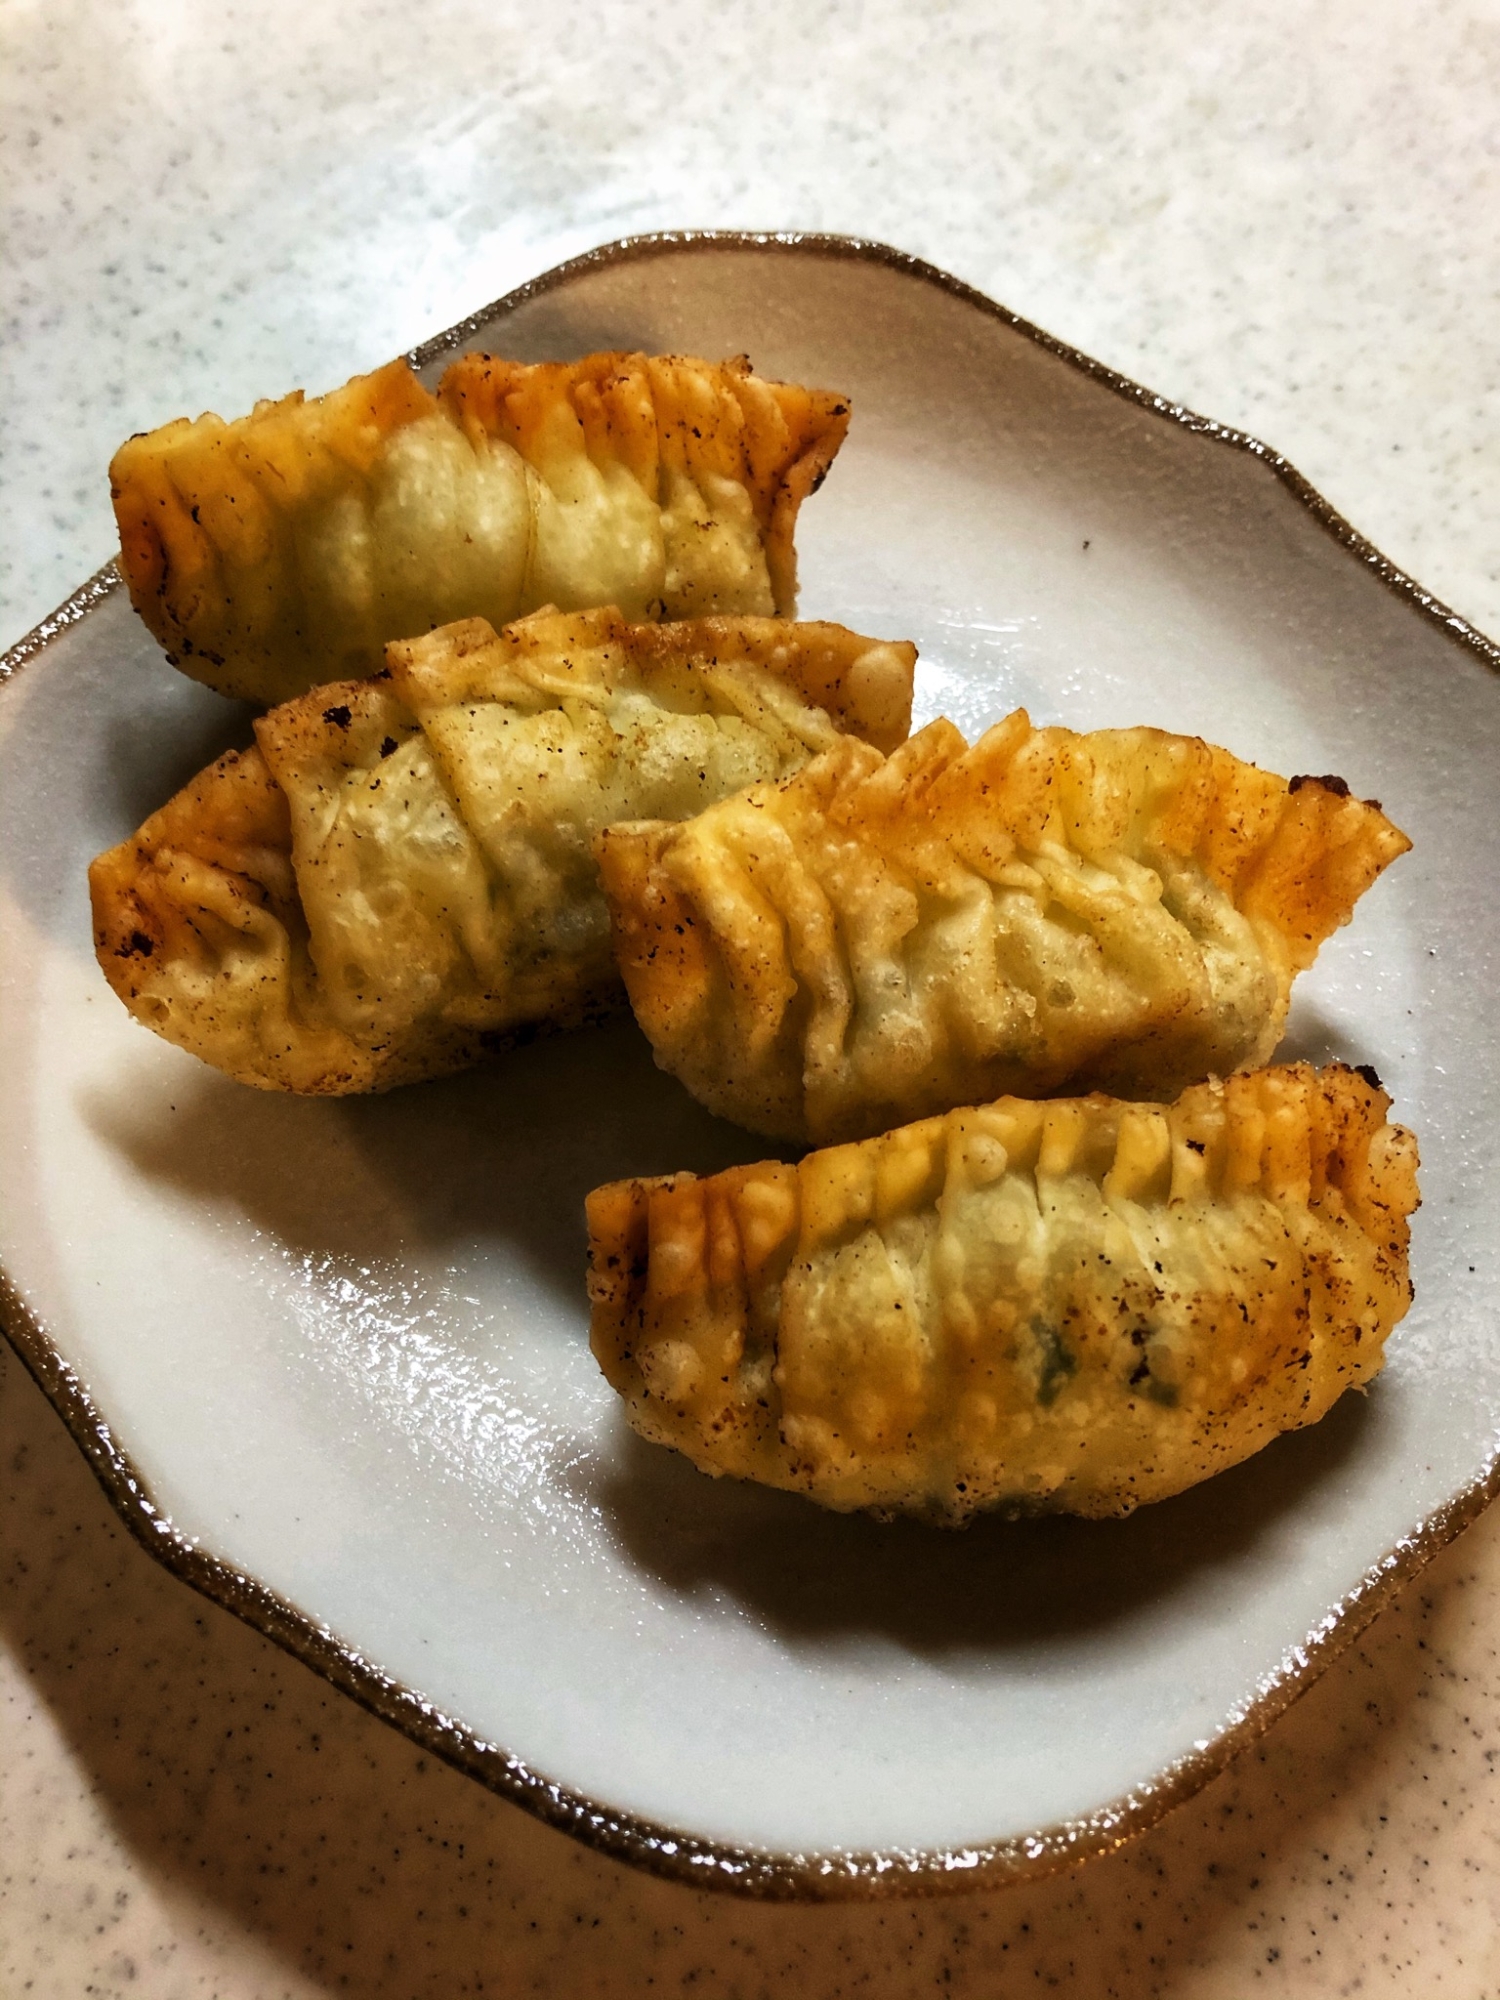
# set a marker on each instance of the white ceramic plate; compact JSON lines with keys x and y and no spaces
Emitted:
{"x":330,"y":1358}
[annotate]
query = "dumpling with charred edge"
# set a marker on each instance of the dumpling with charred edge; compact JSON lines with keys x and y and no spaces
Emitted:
{"x":398,"y":877}
{"x":1073,"y":1306}
{"x":282,"y":551}
{"x":877,"y":939}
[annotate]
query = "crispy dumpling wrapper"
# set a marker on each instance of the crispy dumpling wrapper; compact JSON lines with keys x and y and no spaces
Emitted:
{"x":398,"y":878}
{"x":1073,"y":1306}
{"x":283,"y":551}
{"x":876,"y":939}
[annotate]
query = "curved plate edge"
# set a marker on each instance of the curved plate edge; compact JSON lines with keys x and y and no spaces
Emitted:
{"x":630,"y":249}
{"x":103,"y":583}
{"x":679,"y":1857}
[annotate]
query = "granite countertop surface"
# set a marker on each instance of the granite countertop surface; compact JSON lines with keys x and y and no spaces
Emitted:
{"x":1279,"y":216}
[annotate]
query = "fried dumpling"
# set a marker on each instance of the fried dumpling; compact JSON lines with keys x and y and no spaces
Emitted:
{"x":1072,"y":1306}
{"x":283,"y":551}
{"x":397,"y":878}
{"x":878,"y":939}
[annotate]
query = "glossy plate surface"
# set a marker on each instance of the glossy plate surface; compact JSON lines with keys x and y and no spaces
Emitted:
{"x":331,"y":1358}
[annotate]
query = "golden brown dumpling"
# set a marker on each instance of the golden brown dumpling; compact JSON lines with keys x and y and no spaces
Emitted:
{"x":876,"y":939}
{"x":398,"y":878}
{"x":282,"y":551}
{"x":1072,"y":1306}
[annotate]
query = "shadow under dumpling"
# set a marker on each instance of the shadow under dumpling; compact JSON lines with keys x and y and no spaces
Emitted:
{"x":498,"y":1159}
{"x":997,"y":1586}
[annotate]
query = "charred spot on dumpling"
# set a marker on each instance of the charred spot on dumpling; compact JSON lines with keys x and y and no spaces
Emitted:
{"x":339,"y":715}
{"x":1330,"y":782}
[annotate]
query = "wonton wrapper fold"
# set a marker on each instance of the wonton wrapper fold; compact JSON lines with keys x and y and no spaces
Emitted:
{"x":398,"y":878}
{"x":877,"y":939}
{"x":1073,"y":1306}
{"x":283,"y":551}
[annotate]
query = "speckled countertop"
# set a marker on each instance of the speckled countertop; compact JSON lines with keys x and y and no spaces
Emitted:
{"x":1282,"y":216}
